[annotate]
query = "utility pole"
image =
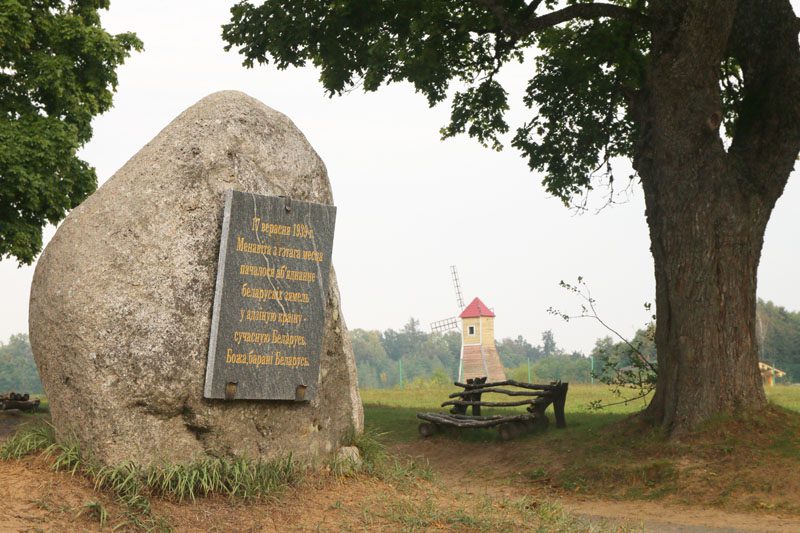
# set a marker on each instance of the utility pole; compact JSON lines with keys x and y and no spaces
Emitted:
{"x":529,"y":369}
{"x":400,"y":366}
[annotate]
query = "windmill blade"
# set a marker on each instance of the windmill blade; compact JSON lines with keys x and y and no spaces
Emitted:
{"x":457,"y":286}
{"x":443,"y":326}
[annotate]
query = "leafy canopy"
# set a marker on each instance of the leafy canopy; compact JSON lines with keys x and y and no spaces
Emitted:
{"x":57,"y":71}
{"x":582,"y":92}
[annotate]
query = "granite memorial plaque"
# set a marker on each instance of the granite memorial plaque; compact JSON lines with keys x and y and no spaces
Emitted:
{"x":269,"y":305}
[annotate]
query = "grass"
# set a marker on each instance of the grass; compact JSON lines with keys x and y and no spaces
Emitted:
{"x":377,"y":462}
{"x":786,"y":396}
{"x":550,"y":515}
{"x":66,"y":456}
{"x":578,"y":398}
{"x":413,"y":516}
{"x":483,"y":514}
{"x":605,"y":453}
{"x":237,"y":477}
{"x":393,"y":412}
{"x":134,"y":486}
{"x":96,"y":510}
{"x":29,"y":439}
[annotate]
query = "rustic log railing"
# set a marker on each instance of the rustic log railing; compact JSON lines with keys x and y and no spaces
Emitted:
{"x":538,"y":398}
{"x":14,"y":400}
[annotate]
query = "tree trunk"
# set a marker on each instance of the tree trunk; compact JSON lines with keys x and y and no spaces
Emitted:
{"x":706,"y":258}
{"x":708,"y":205}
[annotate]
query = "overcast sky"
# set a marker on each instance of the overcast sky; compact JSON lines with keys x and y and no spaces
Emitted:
{"x":409,"y":204}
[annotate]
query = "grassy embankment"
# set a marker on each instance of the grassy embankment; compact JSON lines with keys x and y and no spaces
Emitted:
{"x":737,"y":464}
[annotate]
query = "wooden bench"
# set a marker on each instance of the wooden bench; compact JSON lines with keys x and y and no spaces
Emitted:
{"x":536,"y":397}
{"x":13,"y":400}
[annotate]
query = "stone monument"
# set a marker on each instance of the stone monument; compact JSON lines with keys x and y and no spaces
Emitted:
{"x":124,"y":294}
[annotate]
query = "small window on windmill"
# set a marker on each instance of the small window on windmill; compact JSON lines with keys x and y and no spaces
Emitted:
{"x":471,"y":330}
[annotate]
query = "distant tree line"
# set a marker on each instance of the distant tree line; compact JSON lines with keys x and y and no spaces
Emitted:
{"x":414,"y":357}
{"x":779,"y":336}
{"x":427,"y":358}
{"x":17,"y":368}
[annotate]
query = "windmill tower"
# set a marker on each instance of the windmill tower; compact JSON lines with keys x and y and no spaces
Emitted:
{"x":479,"y":355}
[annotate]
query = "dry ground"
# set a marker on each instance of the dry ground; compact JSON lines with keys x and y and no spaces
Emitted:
{"x":37,"y":499}
{"x":732,"y":476}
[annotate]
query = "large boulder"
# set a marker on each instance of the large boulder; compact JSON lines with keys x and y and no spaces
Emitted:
{"x":122,"y":297}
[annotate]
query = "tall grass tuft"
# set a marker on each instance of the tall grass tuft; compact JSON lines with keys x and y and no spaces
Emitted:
{"x":96,"y":510}
{"x":376,"y":461}
{"x":28,"y":440}
{"x":237,"y":477}
{"x":124,"y":480}
{"x":66,"y":456}
{"x":373,"y":452}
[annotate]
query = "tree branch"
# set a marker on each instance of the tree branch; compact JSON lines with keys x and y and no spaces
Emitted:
{"x":586,"y":12}
{"x":766,"y":136}
{"x":526,"y":22}
{"x":496,"y":8}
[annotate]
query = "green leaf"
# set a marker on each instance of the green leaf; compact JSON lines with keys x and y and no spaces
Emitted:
{"x":57,"y":71}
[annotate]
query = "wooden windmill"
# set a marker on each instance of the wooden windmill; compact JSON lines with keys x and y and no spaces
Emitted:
{"x":450,"y":324}
{"x":479,"y":355}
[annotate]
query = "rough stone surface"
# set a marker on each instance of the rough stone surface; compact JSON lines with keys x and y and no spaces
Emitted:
{"x":122,"y":297}
{"x":349,"y":458}
{"x":349,"y":453}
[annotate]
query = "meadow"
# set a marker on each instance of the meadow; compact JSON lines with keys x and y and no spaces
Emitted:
{"x":392,"y":412}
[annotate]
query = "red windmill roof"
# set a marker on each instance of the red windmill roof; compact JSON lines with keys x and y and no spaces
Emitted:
{"x":475,"y":309}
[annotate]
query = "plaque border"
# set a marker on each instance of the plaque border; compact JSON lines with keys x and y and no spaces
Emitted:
{"x":215,"y":313}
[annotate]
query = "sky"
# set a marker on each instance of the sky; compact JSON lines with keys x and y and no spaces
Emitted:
{"x":409,"y":204}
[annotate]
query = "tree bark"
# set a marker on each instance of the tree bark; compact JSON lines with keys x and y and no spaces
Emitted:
{"x":706,"y":258}
{"x":707,"y":206}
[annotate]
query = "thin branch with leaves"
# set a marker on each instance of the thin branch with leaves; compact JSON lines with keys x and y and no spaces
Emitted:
{"x":640,"y":372}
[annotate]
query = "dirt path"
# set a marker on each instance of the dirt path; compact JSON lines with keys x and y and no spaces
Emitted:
{"x":502,"y":474}
{"x":671,"y":518}
{"x":34,"y":498}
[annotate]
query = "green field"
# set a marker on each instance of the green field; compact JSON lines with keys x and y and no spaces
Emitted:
{"x":787,"y":396}
{"x":392,"y":412}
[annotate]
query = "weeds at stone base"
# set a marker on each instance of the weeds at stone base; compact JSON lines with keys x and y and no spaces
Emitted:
{"x":133,"y":485}
{"x":28,"y":440}
{"x":237,"y":477}
{"x":375,"y":461}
